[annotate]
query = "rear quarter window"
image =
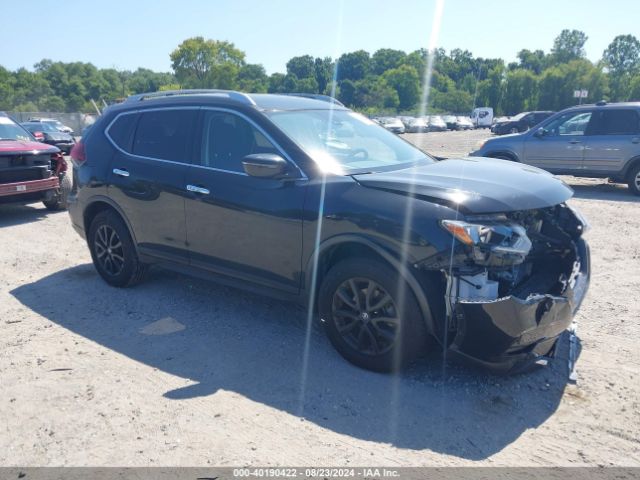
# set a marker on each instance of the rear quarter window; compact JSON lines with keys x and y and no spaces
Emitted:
{"x":121,"y":131}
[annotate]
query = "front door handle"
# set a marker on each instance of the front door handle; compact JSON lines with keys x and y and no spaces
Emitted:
{"x":574,"y":142}
{"x":197,"y":189}
{"x":635,"y":140}
{"x":120,"y":172}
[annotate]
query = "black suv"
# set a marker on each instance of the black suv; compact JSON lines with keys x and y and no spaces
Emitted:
{"x":520,"y":123}
{"x":304,"y":199}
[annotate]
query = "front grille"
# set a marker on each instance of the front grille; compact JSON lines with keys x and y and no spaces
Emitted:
{"x":14,"y":161}
{"x":14,"y":175}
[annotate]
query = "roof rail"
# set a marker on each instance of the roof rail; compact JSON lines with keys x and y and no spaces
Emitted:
{"x":316,"y":96}
{"x":233,"y":95}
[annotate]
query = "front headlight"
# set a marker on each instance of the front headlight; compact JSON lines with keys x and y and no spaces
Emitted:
{"x":585,"y":225}
{"x":499,"y":243}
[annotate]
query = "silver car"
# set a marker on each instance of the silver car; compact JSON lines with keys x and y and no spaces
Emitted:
{"x":597,"y":141}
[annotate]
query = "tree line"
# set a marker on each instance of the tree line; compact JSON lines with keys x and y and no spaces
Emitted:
{"x":387,"y":81}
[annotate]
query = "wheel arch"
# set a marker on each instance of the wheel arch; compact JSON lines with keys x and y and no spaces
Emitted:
{"x":629,"y":167}
{"x":503,"y":153}
{"x":100,"y":204}
{"x":336,"y":249}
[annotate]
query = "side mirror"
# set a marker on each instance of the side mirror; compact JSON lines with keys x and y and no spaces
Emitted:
{"x":264,"y":165}
{"x":541,"y":132}
{"x":39,"y":136}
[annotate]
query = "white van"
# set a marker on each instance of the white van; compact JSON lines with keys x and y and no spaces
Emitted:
{"x":482,"y":117}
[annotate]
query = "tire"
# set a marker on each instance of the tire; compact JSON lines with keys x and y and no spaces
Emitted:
{"x":59,"y":200}
{"x":353,"y":323}
{"x":113,"y":252}
{"x":634,"y":179}
{"x":514,"y":130}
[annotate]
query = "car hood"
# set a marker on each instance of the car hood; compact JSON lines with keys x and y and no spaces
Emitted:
{"x":474,"y":185}
{"x":12,"y":146}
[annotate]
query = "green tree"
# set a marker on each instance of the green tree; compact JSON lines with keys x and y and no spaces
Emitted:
{"x":622,"y":57}
{"x":200,"y":63}
{"x":374,"y":92}
{"x":253,"y":78}
{"x":520,"y":92}
{"x":347,"y":92}
{"x":535,"y":61}
{"x":324,"y":71}
{"x":406,"y":82}
{"x":386,"y":59}
{"x":354,"y":66}
{"x":569,"y":45}
{"x":302,"y":67}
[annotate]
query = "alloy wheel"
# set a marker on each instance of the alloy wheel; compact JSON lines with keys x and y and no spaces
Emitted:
{"x":637,"y":181}
{"x":365,"y":316}
{"x":109,"y":251}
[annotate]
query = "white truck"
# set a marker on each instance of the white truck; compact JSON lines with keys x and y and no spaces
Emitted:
{"x":482,"y":117}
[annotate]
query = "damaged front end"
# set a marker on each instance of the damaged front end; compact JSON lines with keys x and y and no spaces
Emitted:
{"x":514,"y":282}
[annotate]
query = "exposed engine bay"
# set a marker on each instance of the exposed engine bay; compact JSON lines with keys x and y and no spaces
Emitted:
{"x":520,"y":254}
{"x":514,"y":280}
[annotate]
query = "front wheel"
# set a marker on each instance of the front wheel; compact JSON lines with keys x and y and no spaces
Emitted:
{"x":634,"y":179}
{"x":371,"y":315}
{"x":59,"y":200}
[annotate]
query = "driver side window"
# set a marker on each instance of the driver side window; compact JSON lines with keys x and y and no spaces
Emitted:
{"x":575,"y":123}
{"x":227,"y":139}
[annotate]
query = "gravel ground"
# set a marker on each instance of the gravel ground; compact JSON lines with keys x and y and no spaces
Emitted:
{"x":182,"y":372}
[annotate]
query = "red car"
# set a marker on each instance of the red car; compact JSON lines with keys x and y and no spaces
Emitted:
{"x":31,"y":171}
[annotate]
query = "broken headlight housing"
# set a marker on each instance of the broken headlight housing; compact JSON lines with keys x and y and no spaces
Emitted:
{"x":491,"y":243}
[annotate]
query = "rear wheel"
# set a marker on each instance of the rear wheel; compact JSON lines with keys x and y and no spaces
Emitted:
{"x":59,"y":200}
{"x":634,"y":179}
{"x":371,"y":315}
{"x":514,"y":130}
{"x":113,"y":252}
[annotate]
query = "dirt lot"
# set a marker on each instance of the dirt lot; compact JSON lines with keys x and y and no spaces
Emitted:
{"x":182,"y":372}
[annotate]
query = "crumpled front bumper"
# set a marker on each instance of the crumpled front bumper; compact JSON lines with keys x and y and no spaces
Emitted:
{"x":509,"y":334}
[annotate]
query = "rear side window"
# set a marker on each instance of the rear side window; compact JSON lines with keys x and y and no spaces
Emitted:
{"x":121,"y":131}
{"x":164,"y":134}
{"x":618,"y":122}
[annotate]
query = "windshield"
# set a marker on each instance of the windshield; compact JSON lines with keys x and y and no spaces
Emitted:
{"x":345,"y":142}
{"x":41,"y":127}
{"x":519,"y":116}
{"x":11,"y":131}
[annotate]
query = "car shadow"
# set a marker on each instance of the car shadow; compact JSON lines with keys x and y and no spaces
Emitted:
{"x":18,"y":214}
{"x":222,"y":338}
{"x":603,"y":191}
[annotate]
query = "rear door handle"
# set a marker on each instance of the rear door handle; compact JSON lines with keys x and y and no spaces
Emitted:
{"x":574,"y":142}
{"x":197,"y":189}
{"x":120,"y":172}
{"x":635,"y":140}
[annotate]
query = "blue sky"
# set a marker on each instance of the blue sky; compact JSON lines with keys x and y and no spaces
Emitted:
{"x":128,"y":34}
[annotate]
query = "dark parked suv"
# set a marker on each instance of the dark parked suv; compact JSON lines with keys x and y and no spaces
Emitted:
{"x":520,"y":123}
{"x":304,"y":199}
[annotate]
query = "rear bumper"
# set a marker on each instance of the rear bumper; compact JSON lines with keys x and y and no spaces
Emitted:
{"x":510,"y":334}
{"x":30,"y":186}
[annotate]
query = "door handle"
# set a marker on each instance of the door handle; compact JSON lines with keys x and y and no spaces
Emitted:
{"x":574,"y":142}
{"x":196,"y":189}
{"x":120,"y":172}
{"x":635,"y":140}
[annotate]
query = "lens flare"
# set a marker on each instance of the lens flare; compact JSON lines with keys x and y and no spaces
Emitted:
{"x":318,"y":236}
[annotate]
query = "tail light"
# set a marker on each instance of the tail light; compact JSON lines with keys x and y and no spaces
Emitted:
{"x":78,"y":154}
{"x":58,"y":162}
